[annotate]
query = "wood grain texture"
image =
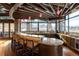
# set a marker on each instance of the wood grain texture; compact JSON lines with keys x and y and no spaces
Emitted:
{"x":5,"y":49}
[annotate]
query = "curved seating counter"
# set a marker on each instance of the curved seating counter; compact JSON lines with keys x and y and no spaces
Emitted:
{"x":47,"y":46}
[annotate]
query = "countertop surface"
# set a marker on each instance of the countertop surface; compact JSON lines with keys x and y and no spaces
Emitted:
{"x":52,"y":41}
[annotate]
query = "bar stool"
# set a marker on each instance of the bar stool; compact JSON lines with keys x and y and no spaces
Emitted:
{"x":17,"y":45}
{"x":20,"y":47}
{"x":31,"y":47}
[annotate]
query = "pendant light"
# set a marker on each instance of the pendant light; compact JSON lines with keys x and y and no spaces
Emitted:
{"x":40,"y":15}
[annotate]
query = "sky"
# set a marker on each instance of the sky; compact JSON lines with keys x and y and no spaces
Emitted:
{"x":74,"y":21}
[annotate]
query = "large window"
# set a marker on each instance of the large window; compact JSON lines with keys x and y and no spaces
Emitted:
{"x":42,"y":26}
{"x":72,"y":15}
{"x":62,"y":26}
{"x":34,"y":27}
{"x":23,"y":27}
{"x":37,"y":26}
{"x":53,"y":27}
{"x":11,"y":29}
{"x":74,"y":24}
{"x":1,"y":29}
{"x":66,"y":22}
{"x":6,"y":29}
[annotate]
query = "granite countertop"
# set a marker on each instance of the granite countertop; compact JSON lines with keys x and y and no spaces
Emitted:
{"x":52,"y":41}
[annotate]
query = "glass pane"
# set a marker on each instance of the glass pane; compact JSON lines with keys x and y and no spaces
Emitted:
{"x":23,"y":27}
{"x":74,"y":14}
{"x":74,"y":24}
{"x":67,"y":17}
{"x":62,"y":26}
{"x":53,"y":27}
{"x":42,"y":26}
{"x":66,"y":25}
{"x":1,"y":29}
{"x":11,"y":29}
{"x":34,"y":27}
{"x":6,"y":29}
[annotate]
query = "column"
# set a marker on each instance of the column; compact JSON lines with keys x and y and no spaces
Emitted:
{"x":17,"y":25}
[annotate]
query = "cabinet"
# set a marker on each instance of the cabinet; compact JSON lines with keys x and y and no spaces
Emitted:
{"x":77,"y":44}
{"x":47,"y":50}
{"x":51,"y":47}
{"x":71,"y":41}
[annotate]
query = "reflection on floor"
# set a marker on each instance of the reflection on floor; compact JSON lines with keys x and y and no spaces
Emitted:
{"x":5,"y":49}
{"x":68,"y":52}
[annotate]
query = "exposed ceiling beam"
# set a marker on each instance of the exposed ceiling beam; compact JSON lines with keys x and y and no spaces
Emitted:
{"x":31,"y":10}
{"x":24,"y":11}
{"x":46,"y":9}
{"x":52,"y":9}
{"x":7,"y":6}
{"x":37,"y":8}
{"x":73,"y":9}
{"x":12,"y":10}
{"x":64,"y":8}
{"x":69,"y":8}
{"x":52,"y":4}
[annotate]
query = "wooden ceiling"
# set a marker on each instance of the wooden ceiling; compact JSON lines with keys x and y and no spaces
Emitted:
{"x":33,"y":10}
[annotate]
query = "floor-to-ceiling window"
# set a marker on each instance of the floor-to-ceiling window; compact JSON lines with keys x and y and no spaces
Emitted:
{"x":53,"y":27}
{"x":43,"y":27}
{"x":11,"y":29}
{"x":62,"y":26}
{"x":37,"y":25}
{"x":23,"y":27}
{"x":1,"y":29}
{"x":66,"y":23}
{"x":6,"y":29}
{"x":34,"y":27}
{"x":73,"y":23}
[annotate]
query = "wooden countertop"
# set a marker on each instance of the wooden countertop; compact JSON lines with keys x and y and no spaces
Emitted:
{"x":37,"y":38}
{"x":68,"y":35}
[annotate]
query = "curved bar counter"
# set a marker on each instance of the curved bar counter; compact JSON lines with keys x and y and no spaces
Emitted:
{"x":51,"y":46}
{"x":71,"y":41}
{"x":47,"y":46}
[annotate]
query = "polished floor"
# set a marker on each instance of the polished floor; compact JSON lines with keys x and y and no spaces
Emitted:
{"x":5,"y":49}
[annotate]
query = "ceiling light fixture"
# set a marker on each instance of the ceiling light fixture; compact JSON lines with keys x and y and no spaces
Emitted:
{"x":40,"y":15}
{"x":29,"y":17}
{"x":58,"y":11}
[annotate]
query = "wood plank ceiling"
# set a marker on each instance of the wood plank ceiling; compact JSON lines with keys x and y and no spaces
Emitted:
{"x":34,"y":10}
